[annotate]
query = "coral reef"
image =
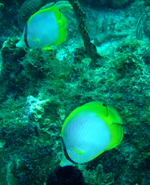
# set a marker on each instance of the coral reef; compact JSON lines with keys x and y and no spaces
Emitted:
{"x":37,"y":107}
{"x":146,"y":2}
{"x":26,"y":10}
{"x":40,"y":88}
{"x":1,"y":6}
{"x":108,"y":3}
{"x":121,"y":81}
{"x":12,"y":70}
{"x":119,"y":4}
{"x":90,"y":47}
{"x":28,"y":6}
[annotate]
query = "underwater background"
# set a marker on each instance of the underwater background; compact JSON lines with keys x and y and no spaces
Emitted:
{"x":105,"y":58}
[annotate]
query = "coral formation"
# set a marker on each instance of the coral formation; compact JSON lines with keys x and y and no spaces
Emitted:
{"x":36,"y":109}
{"x":26,"y":10}
{"x":146,"y":2}
{"x":12,"y":70}
{"x":118,"y":3}
{"x":39,"y":89}
{"x":90,"y":47}
{"x":1,"y":6}
{"x":29,"y":6}
{"x":108,"y":3}
{"x":117,"y":81}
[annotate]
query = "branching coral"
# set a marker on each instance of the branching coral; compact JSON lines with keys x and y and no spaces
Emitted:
{"x":63,"y":5}
{"x":90,"y":47}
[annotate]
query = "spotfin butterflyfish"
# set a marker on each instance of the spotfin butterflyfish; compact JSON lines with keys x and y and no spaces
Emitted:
{"x":88,"y":131}
{"x":44,"y":28}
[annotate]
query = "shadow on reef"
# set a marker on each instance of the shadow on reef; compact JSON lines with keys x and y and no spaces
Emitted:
{"x":68,"y":175}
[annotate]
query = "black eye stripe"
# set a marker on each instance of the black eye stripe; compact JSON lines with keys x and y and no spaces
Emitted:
{"x":25,"y":36}
{"x":65,"y":152}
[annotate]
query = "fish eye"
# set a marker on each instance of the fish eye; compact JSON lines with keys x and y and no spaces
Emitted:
{"x":106,"y":109}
